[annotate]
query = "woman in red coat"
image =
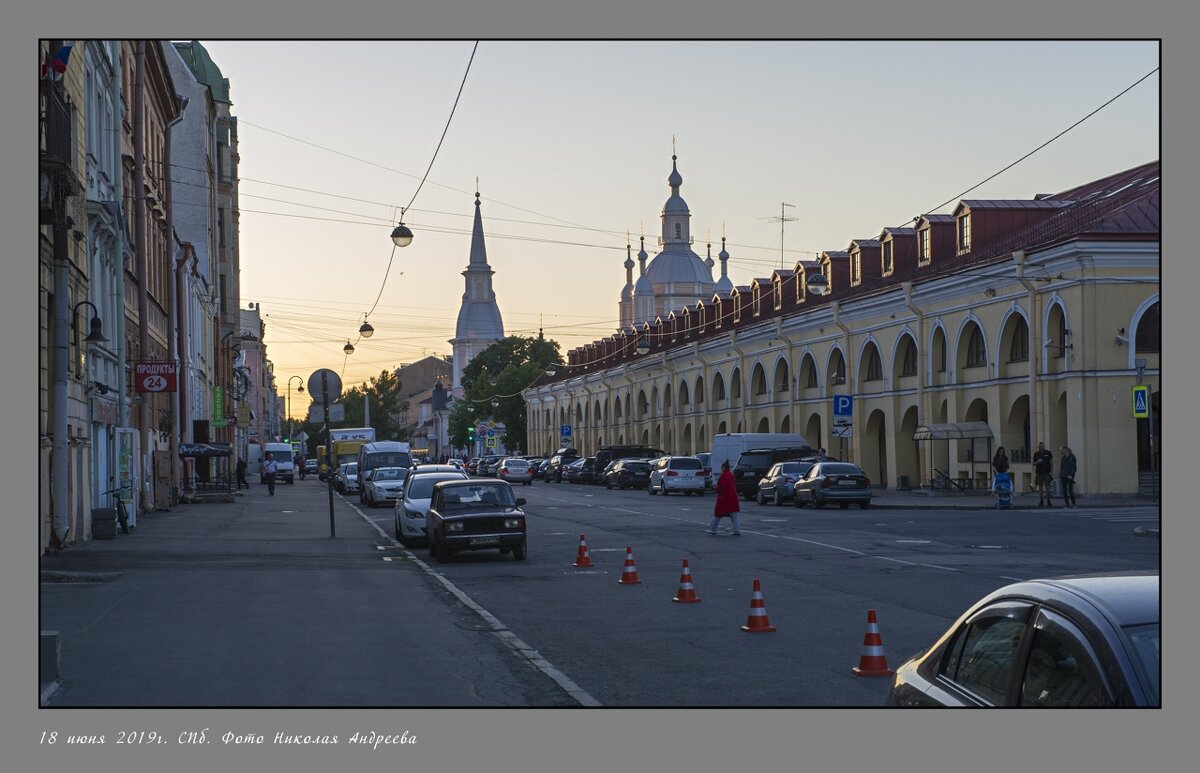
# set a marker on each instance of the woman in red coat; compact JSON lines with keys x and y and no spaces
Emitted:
{"x":727,"y":502}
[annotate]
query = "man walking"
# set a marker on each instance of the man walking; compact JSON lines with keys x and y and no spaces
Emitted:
{"x":269,"y":468}
{"x":1066,"y":476}
{"x":241,"y":474}
{"x":1043,"y":469}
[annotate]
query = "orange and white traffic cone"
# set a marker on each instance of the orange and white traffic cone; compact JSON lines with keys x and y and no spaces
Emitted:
{"x":687,"y":592}
{"x":872,"y":662}
{"x":629,"y":575}
{"x":585,"y":557}
{"x":757,"y":621}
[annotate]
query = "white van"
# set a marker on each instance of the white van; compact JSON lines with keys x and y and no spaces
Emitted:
{"x":253,"y":459}
{"x":730,"y":446}
{"x":284,"y":469}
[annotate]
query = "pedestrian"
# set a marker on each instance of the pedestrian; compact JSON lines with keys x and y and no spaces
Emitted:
{"x":300,"y":465}
{"x":241,"y":474}
{"x":822,"y":456}
{"x":999,"y":465}
{"x":727,"y":502}
{"x":269,"y":468}
{"x":1043,"y":470}
{"x":1066,"y":475}
{"x":1001,"y":483}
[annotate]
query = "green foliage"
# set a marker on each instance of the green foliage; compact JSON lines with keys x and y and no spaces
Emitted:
{"x":383,"y":392}
{"x":513,"y":363}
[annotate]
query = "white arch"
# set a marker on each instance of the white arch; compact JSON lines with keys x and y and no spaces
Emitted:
{"x":1134,"y":321}
{"x":1015,"y":308}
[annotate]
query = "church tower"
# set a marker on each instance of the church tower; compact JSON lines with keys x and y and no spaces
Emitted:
{"x":625,"y":307}
{"x":479,"y":323}
{"x":678,"y":275}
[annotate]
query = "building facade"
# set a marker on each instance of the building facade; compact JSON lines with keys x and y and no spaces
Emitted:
{"x":1031,"y":316}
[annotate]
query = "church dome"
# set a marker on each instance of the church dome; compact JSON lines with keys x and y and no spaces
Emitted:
{"x":678,"y":266}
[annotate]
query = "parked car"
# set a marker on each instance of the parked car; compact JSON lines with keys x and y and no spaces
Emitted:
{"x":409,"y":510}
{"x":475,"y":515}
{"x":628,"y":473}
{"x":472,"y":465}
{"x":515,"y":470}
{"x":310,"y":466}
{"x":490,"y":466}
{"x":779,"y":484}
{"x":456,"y":462}
{"x":606,"y":455}
{"x":554,"y":467}
{"x":706,"y":459}
{"x":581,"y":471}
{"x":536,"y":466}
{"x":826,"y":482}
{"x":1077,"y":641}
{"x":346,"y":480}
{"x":676,"y":473}
{"x":383,"y":485}
{"x":752,"y":465}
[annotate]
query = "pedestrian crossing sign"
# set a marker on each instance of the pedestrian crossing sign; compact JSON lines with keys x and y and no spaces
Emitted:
{"x":1141,"y":402}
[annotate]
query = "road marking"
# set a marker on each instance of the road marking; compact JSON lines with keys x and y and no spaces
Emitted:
{"x":500,"y":629}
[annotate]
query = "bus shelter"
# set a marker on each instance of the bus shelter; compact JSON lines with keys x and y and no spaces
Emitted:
{"x":973,"y":432}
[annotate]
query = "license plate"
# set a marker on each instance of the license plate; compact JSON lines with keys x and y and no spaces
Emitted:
{"x":484,"y":540}
{"x":847,"y":483}
{"x":747,"y":475}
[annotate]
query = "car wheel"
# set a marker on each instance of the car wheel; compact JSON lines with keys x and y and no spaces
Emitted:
{"x":518,"y":551}
{"x":608,"y":486}
{"x":759,"y":498}
{"x":778,"y":498}
{"x":650,"y":488}
{"x":432,"y":545}
{"x":399,"y":536}
{"x":818,"y":503}
{"x":797,"y":501}
{"x":864,"y":505}
{"x":443,"y":555}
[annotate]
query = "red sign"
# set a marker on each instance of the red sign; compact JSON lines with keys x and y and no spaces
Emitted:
{"x":155,"y":376}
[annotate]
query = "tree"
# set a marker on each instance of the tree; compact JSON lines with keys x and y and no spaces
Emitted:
{"x":499,"y":374}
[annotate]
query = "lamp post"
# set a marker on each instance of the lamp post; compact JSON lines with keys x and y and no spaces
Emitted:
{"x":299,"y":389}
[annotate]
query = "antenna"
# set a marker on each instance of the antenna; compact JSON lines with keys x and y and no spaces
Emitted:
{"x":783,"y":218}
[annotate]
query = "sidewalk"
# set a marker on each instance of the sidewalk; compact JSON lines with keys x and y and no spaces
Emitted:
{"x":253,"y":603}
{"x":926,"y":500}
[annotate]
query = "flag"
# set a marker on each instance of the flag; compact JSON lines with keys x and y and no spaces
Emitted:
{"x":58,"y":62}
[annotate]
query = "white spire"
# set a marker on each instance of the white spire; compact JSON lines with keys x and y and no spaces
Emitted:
{"x":479,"y":322}
{"x":724,"y":284}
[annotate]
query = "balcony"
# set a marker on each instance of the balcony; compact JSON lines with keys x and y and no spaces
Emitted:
{"x":55,"y":124}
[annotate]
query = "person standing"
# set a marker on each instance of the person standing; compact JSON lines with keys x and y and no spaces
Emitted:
{"x":1066,"y":475}
{"x":1001,"y":483}
{"x":241,"y":474}
{"x":269,"y":469}
{"x":1043,"y":470}
{"x":727,"y":502}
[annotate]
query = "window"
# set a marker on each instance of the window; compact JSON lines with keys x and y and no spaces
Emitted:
{"x":964,"y":233}
{"x":1018,"y":350}
{"x":855,"y":268}
{"x":939,"y":347}
{"x":736,"y":386}
{"x":887,"y":258}
{"x":874,"y":366}
{"x":778,"y":293}
{"x":1060,"y":349}
{"x":1149,"y":332}
{"x":982,"y":657}
{"x":801,"y":276}
{"x":909,"y":365}
{"x":976,"y":351}
{"x":737,"y":308}
{"x":923,"y":245}
{"x":1061,"y":670}
{"x":810,"y":381}
{"x":756,"y":301}
{"x":678,"y":231}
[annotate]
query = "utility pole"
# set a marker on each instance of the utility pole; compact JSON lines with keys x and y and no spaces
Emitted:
{"x":782,"y":219}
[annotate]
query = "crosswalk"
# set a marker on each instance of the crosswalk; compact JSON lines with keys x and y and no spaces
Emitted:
{"x":1134,"y":514}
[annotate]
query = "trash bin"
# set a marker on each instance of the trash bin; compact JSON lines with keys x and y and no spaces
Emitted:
{"x":104,"y":523}
{"x":902,"y":483}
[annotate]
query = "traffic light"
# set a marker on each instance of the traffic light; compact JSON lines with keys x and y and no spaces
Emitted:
{"x":471,"y":433}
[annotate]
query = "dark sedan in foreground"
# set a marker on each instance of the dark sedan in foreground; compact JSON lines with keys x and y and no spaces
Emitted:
{"x":840,"y":483}
{"x":1079,"y":641}
{"x":475,"y":515}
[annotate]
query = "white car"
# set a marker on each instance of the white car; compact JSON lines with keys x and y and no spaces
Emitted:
{"x":410,"y":509}
{"x":383,"y":485}
{"x":677,"y":473}
{"x":346,"y":480}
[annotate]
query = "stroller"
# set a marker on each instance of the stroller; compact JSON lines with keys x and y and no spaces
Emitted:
{"x":1002,"y":487}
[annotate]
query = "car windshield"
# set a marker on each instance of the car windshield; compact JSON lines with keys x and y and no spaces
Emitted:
{"x":463,"y":497}
{"x":686,"y":463}
{"x":390,"y":473}
{"x":421,"y":487}
{"x":637,"y":466}
{"x":1147,"y":644}
{"x":795,"y":467}
{"x":840,"y":469}
{"x":351,"y":469}
{"x":761,"y":459}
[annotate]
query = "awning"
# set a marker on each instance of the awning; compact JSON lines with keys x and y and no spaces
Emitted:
{"x":967,"y":430}
{"x":204,"y":449}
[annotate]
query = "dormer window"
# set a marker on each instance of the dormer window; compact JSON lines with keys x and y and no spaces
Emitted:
{"x":964,"y":233}
{"x":887,"y":258}
{"x":778,"y":293}
{"x":801,"y":277}
{"x":925,"y":253}
{"x":678,"y":230}
{"x":855,"y":268}
{"x":757,"y":300}
{"x":737,"y":307}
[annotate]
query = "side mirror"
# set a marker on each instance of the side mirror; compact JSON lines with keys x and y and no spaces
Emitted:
{"x":520,"y":501}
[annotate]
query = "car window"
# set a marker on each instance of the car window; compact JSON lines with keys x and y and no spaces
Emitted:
{"x":637,"y":466}
{"x":1147,"y":646}
{"x":475,"y":496}
{"x":421,"y":487}
{"x":983,"y":657}
{"x":389,"y":474}
{"x":840,"y":469}
{"x":1061,"y":670}
{"x":754,"y":460}
{"x":686,"y":463}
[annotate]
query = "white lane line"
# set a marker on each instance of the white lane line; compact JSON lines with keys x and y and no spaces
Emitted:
{"x":500,"y":629}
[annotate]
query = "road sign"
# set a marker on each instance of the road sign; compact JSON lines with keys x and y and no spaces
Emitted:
{"x":316,"y":413}
{"x":843,"y":410}
{"x":301,"y":437}
{"x":1141,"y":402}
{"x":491,"y":433}
{"x":317,"y":392}
{"x":842,"y":430}
{"x":566,"y":430}
{"x":490,"y":442}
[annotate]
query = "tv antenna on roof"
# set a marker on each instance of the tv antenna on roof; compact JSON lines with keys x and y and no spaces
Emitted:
{"x":782,"y":219}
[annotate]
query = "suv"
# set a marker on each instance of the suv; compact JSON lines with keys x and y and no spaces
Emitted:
{"x":676,"y":473}
{"x":553,"y":470}
{"x":627,"y":473}
{"x":754,"y":464}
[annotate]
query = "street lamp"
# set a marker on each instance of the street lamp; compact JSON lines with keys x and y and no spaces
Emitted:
{"x":401,"y":235}
{"x":365,"y":330}
{"x":817,"y":284}
{"x":299,"y":389}
{"x":96,"y":335}
{"x":348,"y":348}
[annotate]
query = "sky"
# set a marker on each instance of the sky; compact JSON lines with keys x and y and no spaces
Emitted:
{"x":569,"y":144}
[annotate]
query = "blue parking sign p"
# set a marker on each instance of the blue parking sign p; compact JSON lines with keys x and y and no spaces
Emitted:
{"x":566,"y":430}
{"x":1141,"y":402}
{"x":843,"y":405}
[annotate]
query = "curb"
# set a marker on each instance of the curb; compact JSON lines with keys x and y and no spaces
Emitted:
{"x":54,"y":575}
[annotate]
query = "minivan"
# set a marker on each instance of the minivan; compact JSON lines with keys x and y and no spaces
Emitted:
{"x":284,"y":469}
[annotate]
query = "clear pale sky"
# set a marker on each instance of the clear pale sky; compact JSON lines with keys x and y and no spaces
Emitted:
{"x":572,"y":142}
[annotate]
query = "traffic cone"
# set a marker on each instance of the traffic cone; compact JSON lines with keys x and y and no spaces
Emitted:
{"x":872,"y":661}
{"x":629,"y":575}
{"x":585,"y":557}
{"x":757,"y":621}
{"x":687,"y":593}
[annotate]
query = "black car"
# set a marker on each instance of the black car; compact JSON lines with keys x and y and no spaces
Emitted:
{"x":1079,"y":641}
{"x":628,"y":473}
{"x":841,"y":483}
{"x":753,"y":465}
{"x":553,"y":470}
{"x":475,"y":515}
{"x":606,"y":455}
{"x":778,"y":485}
{"x":581,"y":470}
